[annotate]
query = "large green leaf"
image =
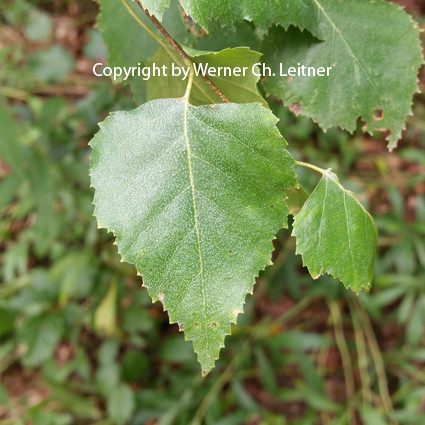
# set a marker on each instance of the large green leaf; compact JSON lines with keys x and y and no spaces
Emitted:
{"x":264,"y":13}
{"x":336,"y":235}
{"x":194,"y":196}
{"x":238,"y":89}
{"x":374,"y":50}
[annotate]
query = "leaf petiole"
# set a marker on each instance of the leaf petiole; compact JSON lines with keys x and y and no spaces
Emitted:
{"x":311,"y":166}
{"x":190,"y":81}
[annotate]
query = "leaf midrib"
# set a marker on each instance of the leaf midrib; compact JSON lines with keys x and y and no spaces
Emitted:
{"x":195,"y":212}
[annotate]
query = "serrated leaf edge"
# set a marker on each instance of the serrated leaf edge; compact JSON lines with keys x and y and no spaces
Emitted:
{"x":329,"y":174}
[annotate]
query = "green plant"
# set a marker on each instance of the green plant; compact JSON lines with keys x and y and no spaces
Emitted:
{"x":192,"y":183}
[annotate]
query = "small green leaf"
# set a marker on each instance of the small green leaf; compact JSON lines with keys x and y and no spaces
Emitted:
{"x":121,"y":404}
{"x":195,"y":196}
{"x":375,"y":53}
{"x":238,"y":89}
{"x":336,"y":235}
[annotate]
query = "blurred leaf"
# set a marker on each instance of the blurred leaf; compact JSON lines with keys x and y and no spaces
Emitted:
{"x":9,"y":187}
{"x":39,"y":26}
{"x":134,"y":366}
{"x":15,"y":261}
{"x":108,"y":352}
{"x":106,"y":314}
{"x":107,"y":378}
{"x":10,"y":147}
{"x":95,"y":48}
{"x":82,"y":407}
{"x":318,"y":400}
{"x":52,"y":65}
{"x":299,"y":340}
{"x":4,"y":395}
{"x":243,"y":397}
{"x":416,"y":324}
{"x":267,"y":373}
{"x":176,"y":350}
{"x":7,"y":319}
{"x":121,"y":404}
{"x":372,"y":416}
{"x":40,"y":335}
{"x":137,"y":319}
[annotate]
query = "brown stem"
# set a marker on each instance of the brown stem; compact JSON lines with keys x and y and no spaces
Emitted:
{"x":181,"y":53}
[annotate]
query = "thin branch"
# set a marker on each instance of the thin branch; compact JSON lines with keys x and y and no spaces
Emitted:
{"x":182,"y":53}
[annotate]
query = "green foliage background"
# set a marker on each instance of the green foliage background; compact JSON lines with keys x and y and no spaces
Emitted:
{"x":80,"y":340}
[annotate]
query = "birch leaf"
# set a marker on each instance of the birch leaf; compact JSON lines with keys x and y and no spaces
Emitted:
{"x":374,"y":50}
{"x":194,"y":196}
{"x":336,"y":235}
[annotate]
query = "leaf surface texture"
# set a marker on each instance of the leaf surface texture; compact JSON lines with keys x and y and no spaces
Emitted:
{"x":194,"y":196}
{"x":374,"y":51}
{"x":336,"y":235}
{"x":264,"y":13}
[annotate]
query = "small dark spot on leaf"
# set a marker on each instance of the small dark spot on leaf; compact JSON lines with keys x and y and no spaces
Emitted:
{"x":271,"y":206}
{"x":212,"y":325}
{"x":204,"y":373}
{"x":181,"y":326}
{"x":230,"y":251}
{"x":378,"y":115}
{"x":196,"y":325}
{"x":150,"y":270}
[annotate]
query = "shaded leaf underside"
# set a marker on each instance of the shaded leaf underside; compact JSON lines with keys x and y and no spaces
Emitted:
{"x":237,"y":89}
{"x":194,"y":196}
